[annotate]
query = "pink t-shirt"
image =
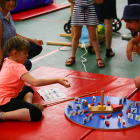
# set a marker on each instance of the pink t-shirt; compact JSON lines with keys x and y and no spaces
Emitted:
{"x":10,"y":80}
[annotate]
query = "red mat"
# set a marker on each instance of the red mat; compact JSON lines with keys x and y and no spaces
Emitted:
{"x":54,"y":125}
{"x":38,"y":11}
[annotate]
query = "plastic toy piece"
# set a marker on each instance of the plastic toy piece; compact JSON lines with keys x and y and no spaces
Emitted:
{"x":101,"y":116}
{"x":107,"y":123}
{"x":120,"y":114}
{"x":92,"y":104}
{"x":85,"y":103}
{"x":117,"y":107}
{"x":128,"y":111}
{"x":85,"y":111}
{"x":108,"y":103}
{"x":76,"y":113}
{"x":89,"y":114}
{"x":110,"y":115}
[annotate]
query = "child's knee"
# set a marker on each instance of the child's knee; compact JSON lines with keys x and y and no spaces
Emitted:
{"x":93,"y":38}
{"x":77,"y":37}
{"x":29,"y":89}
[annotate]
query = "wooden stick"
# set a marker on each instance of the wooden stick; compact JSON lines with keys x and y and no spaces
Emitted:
{"x":69,"y":99}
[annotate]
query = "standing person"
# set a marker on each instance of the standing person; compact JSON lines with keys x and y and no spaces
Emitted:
{"x":128,"y":36}
{"x":84,"y":14}
{"x":7,"y":31}
{"x":106,"y":11}
{"x":16,"y":100}
{"x":131,"y":16}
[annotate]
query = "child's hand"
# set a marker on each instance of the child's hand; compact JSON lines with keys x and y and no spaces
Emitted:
{"x":38,"y":42}
{"x":63,"y":82}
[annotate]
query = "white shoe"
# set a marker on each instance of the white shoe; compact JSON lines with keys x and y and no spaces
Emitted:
{"x":127,"y":37}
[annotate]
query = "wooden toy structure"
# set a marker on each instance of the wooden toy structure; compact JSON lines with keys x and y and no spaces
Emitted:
{"x":103,"y":108}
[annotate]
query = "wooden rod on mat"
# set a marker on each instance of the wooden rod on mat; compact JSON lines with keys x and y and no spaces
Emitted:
{"x":69,"y":99}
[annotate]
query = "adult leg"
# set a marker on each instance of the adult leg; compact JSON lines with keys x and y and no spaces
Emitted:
{"x":28,"y":64}
{"x":34,"y":50}
{"x":75,"y":42}
{"x":108,"y":35}
{"x":93,"y":37}
{"x":138,"y":1}
{"x":131,"y":1}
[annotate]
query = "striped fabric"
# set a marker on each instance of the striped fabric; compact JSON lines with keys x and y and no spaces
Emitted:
{"x":84,"y":13}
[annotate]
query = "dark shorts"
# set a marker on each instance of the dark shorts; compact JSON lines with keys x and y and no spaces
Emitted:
{"x":106,"y":10}
{"x":133,"y":1}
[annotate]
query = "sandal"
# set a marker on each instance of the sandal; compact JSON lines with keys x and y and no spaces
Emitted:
{"x":91,"y":50}
{"x":41,"y":107}
{"x":70,"y":62}
{"x":109,"y":53}
{"x":100,"y":64}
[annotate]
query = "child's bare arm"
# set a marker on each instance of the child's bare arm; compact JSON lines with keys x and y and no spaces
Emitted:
{"x":42,"y":82}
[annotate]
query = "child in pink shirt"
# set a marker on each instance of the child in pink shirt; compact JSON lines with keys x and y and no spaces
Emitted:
{"x":16,"y":100}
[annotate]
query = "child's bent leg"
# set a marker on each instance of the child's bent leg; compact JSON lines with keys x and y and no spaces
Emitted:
{"x":20,"y":115}
{"x":108,"y":35}
{"x":20,"y":110}
{"x":28,"y":97}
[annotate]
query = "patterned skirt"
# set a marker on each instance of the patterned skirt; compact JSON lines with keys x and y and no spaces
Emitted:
{"x":84,"y":15}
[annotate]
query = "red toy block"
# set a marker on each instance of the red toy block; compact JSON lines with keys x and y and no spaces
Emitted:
{"x":85,"y":111}
{"x":137,"y":104}
{"x":109,"y":103}
{"x":110,"y":115}
{"x":117,"y":107}
{"x":92,"y":104}
{"x":107,"y":123}
{"x":76,"y":113}
{"x":120,"y":114}
{"x":128,"y":111}
{"x":101,"y":116}
{"x":89,"y":114}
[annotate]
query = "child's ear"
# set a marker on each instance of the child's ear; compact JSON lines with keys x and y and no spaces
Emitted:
{"x":14,"y":53}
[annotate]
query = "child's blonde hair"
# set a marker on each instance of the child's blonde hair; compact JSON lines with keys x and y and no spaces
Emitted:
{"x":15,"y":43}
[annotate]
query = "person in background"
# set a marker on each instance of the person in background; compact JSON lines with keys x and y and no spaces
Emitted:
{"x":128,"y":36}
{"x":15,"y":98}
{"x":84,"y":14}
{"x":131,"y":16}
{"x":7,"y":31}
{"x":106,"y":11}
